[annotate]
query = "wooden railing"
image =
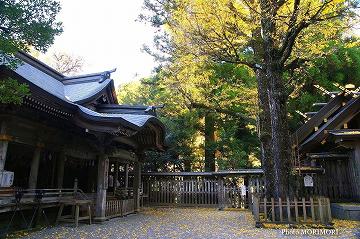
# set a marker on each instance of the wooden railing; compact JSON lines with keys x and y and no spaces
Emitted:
{"x":311,"y":211}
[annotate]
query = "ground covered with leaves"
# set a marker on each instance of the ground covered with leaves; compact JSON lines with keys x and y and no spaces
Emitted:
{"x":181,"y":223}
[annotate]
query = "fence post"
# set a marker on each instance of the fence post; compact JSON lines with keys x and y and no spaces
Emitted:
{"x":221,"y":194}
{"x":288,"y":209}
{"x":304,"y":209}
{"x":312,"y":209}
{"x":321,"y":211}
{"x":296,"y":210}
{"x":272,"y":210}
{"x":280,"y":210}
{"x":265,"y":208}
{"x":256,"y":208}
{"x":328,"y":210}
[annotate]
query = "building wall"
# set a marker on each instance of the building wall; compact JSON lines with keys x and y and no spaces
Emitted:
{"x":335,"y":182}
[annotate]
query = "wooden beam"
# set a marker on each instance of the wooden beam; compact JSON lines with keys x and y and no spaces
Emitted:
{"x":327,"y":155}
{"x":122,"y":154}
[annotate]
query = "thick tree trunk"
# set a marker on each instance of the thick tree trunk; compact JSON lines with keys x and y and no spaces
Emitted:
{"x":273,"y":71}
{"x":210,"y":142}
{"x":280,"y":140}
{"x":264,"y":123}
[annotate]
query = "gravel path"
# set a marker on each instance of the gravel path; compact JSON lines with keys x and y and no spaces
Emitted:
{"x":176,"y":223}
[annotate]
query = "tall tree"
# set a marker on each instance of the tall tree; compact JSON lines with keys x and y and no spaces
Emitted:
{"x":272,"y":37}
{"x":24,"y":24}
{"x":197,"y":90}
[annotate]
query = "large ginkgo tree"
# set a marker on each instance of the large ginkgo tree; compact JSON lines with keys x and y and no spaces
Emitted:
{"x":271,"y":37}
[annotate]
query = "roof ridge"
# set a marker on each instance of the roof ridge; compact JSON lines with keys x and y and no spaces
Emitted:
{"x":106,"y":74}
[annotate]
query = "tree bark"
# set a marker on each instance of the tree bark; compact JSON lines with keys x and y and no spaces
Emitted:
{"x":280,"y":139}
{"x":209,"y":142}
{"x":264,"y":123}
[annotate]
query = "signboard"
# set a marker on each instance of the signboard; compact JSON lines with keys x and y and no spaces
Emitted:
{"x":6,"y":178}
{"x":308,"y":181}
{"x":243,"y":190}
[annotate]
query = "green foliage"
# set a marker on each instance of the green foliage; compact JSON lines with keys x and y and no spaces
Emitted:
{"x":12,"y":92}
{"x":24,"y":24}
{"x":28,"y":23}
{"x":200,"y":87}
{"x":342,"y":66}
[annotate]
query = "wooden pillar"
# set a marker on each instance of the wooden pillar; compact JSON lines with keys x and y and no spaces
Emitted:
{"x":3,"y":146}
{"x":354,"y":166}
{"x":137,"y":185}
{"x":60,"y":169}
{"x":34,"y":168}
{"x":102,"y":185}
{"x":3,"y":151}
{"x":116,"y":174}
{"x":126,"y":176}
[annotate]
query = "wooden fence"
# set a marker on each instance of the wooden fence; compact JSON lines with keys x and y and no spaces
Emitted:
{"x":197,"y":192}
{"x":314,"y":210}
{"x":119,"y":207}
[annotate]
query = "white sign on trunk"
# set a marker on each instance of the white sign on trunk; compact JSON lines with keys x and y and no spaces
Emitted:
{"x":308,"y":181}
{"x":243,"y":190}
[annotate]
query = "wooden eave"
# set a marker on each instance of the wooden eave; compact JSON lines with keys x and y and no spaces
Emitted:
{"x":336,"y":122}
{"x":326,"y":155}
{"x":308,"y":128}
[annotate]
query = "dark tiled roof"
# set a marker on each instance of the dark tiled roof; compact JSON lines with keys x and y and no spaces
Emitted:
{"x":74,"y":91}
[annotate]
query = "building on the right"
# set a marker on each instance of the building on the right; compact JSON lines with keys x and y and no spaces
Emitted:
{"x":327,"y":148}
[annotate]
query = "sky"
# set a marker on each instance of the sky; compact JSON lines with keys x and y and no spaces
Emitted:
{"x":106,"y":35}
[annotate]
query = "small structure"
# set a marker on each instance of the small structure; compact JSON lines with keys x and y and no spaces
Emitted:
{"x":72,"y":128}
{"x":329,"y":142}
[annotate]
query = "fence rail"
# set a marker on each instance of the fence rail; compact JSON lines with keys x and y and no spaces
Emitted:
{"x":314,"y":210}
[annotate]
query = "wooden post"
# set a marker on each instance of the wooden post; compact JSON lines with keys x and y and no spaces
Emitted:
{"x":126,"y":176}
{"x":265,"y":209}
{"x":137,"y":185}
{"x":321,"y":211}
{"x":34,"y":168}
{"x":273,"y":209}
{"x":60,"y":169}
{"x":296,"y":210}
{"x":3,"y":146}
{"x":100,"y":208}
{"x":280,"y":210}
{"x":328,"y":207}
{"x":75,"y":185}
{"x":312,"y":210}
{"x":221,"y":194}
{"x":304,"y":209}
{"x":116,"y":174}
{"x":256,"y":208}
{"x":3,"y":151}
{"x":288,"y":209}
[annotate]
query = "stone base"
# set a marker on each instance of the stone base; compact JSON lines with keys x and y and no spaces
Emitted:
{"x":99,"y":220}
{"x":347,"y":211}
